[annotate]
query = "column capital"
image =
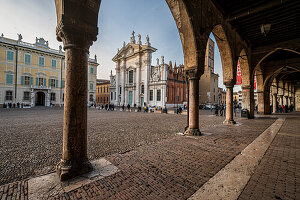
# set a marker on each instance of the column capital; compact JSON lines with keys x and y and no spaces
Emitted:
{"x":193,"y":73}
{"x":72,"y":38}
{"x":77,"y":22}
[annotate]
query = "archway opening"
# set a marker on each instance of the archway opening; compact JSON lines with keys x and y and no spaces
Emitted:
{"x":40,"y":99}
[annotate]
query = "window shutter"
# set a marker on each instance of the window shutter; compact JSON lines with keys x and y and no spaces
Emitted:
{"x":45,"y":82}
{"x":49,"y":82}
{"x":56,"y":83}
{"x":22,"y":80}
{"x":31,"y":80}
{"x":36,"y":81}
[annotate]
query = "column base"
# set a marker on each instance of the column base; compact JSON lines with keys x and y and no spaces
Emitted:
{"x":229,"y":122}
{"x":69,"y":169}
{"x":192,"y":132}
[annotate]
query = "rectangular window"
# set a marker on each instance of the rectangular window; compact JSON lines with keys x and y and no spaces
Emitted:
{"x":62,"y":84}
{"x":26,"y":96}
{"x":91,"y":86}
{"x":41,"y":61}
{"x":41,"y":81}
{"x":91,"y":97}
{"x":101,"y":89}
{"x":111,"y":96}
{"x":130,"y":77}
{"x":9,"y":78}
{"x":27,"y":59}
{"x":52,"y":97}
{"x":10,"y":55}
{"x":158,"y":95}
{"x":120,"y":90}
{"x":151,"y":95}
{"x":26,"y":80}
{"x":52,"y":82}
{"x":115,"y":95}
{"x":53,"y":63}
{"x":142,"y":89}
{"x":92,"y":70}
{"x":8,"y":95}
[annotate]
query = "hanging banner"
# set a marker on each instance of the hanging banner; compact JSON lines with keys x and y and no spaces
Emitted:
{"x":238,"y":75}
{"x":254,"y":82}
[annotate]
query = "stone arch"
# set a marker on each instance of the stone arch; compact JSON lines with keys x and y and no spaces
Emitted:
{"x":270,"y":53}
{"x":226,"y":54}
{"x":245,"y":68}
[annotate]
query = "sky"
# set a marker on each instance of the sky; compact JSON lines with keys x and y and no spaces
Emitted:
{"x":117,"y":19}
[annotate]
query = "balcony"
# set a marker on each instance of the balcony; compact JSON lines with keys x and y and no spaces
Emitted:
{"x":40,"y":87}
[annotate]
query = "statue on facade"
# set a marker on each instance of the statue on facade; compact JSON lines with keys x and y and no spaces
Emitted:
{"x":124,"y":44}
{"x":162,"y":60}
{"x":20,"y":37}
{"x":60,"y":49}
{"x":140,"y":39}
{"x":148,"y":40}
{"x":132,"y":39}
{"x":2,"y":35}
{"x":95,"y":57}
{"x":157,"y":62}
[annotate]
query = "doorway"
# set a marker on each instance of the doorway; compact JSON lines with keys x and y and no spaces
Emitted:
{"x":40,"y":99}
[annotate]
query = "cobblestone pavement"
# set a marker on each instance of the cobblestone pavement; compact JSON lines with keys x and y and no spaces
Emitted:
{"x":278,"y":175}
{"x":173,"y":166}
{"x":31,"y":139}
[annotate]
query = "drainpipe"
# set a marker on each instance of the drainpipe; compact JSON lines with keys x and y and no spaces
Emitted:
{"x":16,"y":78}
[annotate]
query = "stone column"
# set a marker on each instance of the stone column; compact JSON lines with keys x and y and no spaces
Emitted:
{"x":274,"y":103}
{"x":74,"y":157}
{"x":123,"y":86}
{"x":260,"y":102}
{"x":229,"y":105}
{"x":280,"y":100}
{"x":137,"y":86}
{"x":286,"y":100}
{"x":194,"y":78}
{"x":248,"y":100}
{"x":117,"y":103}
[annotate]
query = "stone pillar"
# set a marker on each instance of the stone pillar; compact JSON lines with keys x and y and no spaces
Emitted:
{"x":137,"y":86}
{"x":260,"y":102}
{"x":267,"y":106}
{"x":117,"y":102}
{"x":280,"y":100}
{"x":248,"y":100}
{"x":74,"y":157}
{"x":274,"y":103}
{"x":194,"y":77}
{"x":123,"y":86}
{"x":287,"y":101}
{"x":229,"y":105}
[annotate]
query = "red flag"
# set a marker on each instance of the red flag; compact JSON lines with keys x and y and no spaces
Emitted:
{"x":238,"y":74}
{"x":254,"y":82}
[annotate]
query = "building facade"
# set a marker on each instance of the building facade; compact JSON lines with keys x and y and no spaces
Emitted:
{"x":137,"y":82}
{"x":208,"y":84}
{"x":103,"y":92}
{"x":34,"y":74}
{"x":176,"y":85}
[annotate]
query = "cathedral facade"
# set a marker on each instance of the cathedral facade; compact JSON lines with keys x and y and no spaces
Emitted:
{"x":137,"y":82}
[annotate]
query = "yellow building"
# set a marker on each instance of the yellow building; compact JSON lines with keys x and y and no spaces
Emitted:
{"x":34,"y":74}
{"x":103,"y":91}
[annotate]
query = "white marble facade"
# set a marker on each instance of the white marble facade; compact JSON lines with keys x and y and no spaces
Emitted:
{"x":137,"y":82}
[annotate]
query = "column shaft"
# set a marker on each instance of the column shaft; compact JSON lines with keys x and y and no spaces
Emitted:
{"x":229,"y":105}
{"x":74,"y":158}
{"x":193,"y":107}
{"x":274,"y":103}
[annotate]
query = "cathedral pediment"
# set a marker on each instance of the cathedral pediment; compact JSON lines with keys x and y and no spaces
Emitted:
{"x":131,"y":49}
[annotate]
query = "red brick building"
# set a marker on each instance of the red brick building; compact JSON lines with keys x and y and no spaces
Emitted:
{"x":176,"y":86}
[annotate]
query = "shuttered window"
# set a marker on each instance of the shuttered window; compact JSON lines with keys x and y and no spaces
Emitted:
{"x":10,"y":55}
{"x":9,"y":78}
{"x":41,"y":61}
{"x":27,"y":59}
